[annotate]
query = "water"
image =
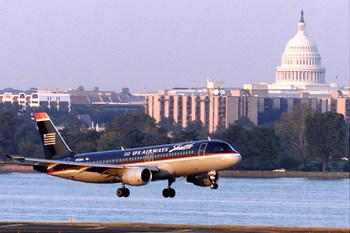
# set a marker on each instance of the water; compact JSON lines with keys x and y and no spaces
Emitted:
{"x":238,"y":201}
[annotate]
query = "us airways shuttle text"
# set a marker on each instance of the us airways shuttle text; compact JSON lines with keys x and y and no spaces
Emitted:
{"x":181,"y":147}
{"x":150,"y":151}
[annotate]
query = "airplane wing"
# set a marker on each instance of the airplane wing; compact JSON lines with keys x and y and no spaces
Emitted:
{"x":81,"y":166}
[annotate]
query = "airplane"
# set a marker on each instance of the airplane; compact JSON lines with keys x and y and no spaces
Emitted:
{"x":198,"y":161}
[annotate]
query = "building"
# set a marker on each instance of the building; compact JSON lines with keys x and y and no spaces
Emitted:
{"x":301,"y":73}
{"x":300,"y":79}
{"x":186,"y":105}
{"x":64,"y":100}
{"x":301,"y":63}
{"x":337,"y":103}
{"x":216,"y":107}
{"x":40,"y":98}
{"x":119,"y":103}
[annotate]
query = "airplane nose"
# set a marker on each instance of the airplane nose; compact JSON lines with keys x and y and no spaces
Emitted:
{"x":236,"y":157}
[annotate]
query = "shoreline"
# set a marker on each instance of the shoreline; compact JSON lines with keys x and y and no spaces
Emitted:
{"x":150,"y":227}
{"x":7,"y":168}
{"x":287,"y":174}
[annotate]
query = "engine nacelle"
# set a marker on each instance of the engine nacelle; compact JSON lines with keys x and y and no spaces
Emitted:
{"x":201,"y":179}
{"x":137,"y":176}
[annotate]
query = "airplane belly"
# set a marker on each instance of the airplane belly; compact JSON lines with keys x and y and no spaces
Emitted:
{"x":200,"y":164}
{"x":86,"y":176}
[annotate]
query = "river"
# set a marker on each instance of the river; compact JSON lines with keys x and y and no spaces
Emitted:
{"x":238,"y":201}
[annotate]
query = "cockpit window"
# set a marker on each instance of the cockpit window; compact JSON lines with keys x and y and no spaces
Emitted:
{"x":219,"y":147}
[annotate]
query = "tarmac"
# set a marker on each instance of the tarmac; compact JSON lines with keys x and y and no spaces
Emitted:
{"x":57,"y":227}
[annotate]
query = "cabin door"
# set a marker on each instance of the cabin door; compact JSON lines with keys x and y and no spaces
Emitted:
{"x":202,"y":147}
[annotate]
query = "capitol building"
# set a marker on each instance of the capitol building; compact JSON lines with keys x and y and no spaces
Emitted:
{"x":301,"y":72}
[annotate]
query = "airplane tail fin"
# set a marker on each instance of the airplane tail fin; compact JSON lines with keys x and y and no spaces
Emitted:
{"x":53,"y":143}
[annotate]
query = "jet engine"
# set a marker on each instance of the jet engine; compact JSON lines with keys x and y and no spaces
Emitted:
{"x":202,"y":179}
{"x":137,"y":176}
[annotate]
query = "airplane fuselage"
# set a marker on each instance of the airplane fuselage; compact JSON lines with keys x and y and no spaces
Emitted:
{"x":172,"y":160}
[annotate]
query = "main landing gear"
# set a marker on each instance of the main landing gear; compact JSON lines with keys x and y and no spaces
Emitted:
{"x":123,"y":192}
{"x":213,"y":178}
{"x":169,"y":192}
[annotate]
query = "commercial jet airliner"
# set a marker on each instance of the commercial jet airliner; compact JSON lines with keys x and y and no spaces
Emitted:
{"x":198,"y":161}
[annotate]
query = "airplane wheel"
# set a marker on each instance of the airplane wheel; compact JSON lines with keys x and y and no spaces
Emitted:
{"x":126,"y":192}
{"x":169,"y":192}
{"x":120,"y":192}
{"x":165,"y":193}
{"x":172,"y":193}
{"x":214,"y":186}
{"x":123,"y":192}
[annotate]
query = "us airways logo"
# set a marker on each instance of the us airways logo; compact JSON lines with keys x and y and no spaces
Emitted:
{"x":49,"y":139}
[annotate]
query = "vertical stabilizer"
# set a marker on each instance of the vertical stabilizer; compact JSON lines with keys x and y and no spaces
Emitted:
{"x":53,"y":143}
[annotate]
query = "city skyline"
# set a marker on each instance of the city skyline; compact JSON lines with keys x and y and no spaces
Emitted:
{"x":151,"y":45}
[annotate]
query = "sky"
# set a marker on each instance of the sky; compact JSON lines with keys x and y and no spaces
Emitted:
{"x":161,"y":44}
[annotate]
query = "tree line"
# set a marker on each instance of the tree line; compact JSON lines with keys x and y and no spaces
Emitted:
{"x":302,"y":140}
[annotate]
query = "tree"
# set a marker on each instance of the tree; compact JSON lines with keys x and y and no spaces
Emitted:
{"x":259,"y":147}
{"x":291,"y":130}
{"x":82,"y":142}
{"x":325,"y":134}
{"x":73,"y":125}
{"x":131,"y":130}
{"x":245,"y":122}
{"x":269,"y":116}
{"x":27,"y":140}
{"x":193,"y":132}
{"x":266,"y":147}
{"x":7,"y":131}
{"x":170,"y":128}
{"x":239,"y":138}
{"x":347,"y":140}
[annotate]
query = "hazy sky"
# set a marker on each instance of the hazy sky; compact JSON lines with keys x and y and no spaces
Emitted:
{"x":149,"y":45}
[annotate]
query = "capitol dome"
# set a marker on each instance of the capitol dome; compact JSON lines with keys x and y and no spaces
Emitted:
{"x":301,"y":62}
{"x":301,"y":43}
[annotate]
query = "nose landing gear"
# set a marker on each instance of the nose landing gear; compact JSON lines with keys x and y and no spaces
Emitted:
{"x":213,"y":178}
{"x":169,"y":192}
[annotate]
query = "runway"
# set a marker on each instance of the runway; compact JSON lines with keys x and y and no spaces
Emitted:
{"x":56,"y":227}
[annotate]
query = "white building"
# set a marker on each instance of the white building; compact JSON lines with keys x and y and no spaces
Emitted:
{"x":301,"y":73}
{"x":41,"y":98}
{"x":52,"y":100}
